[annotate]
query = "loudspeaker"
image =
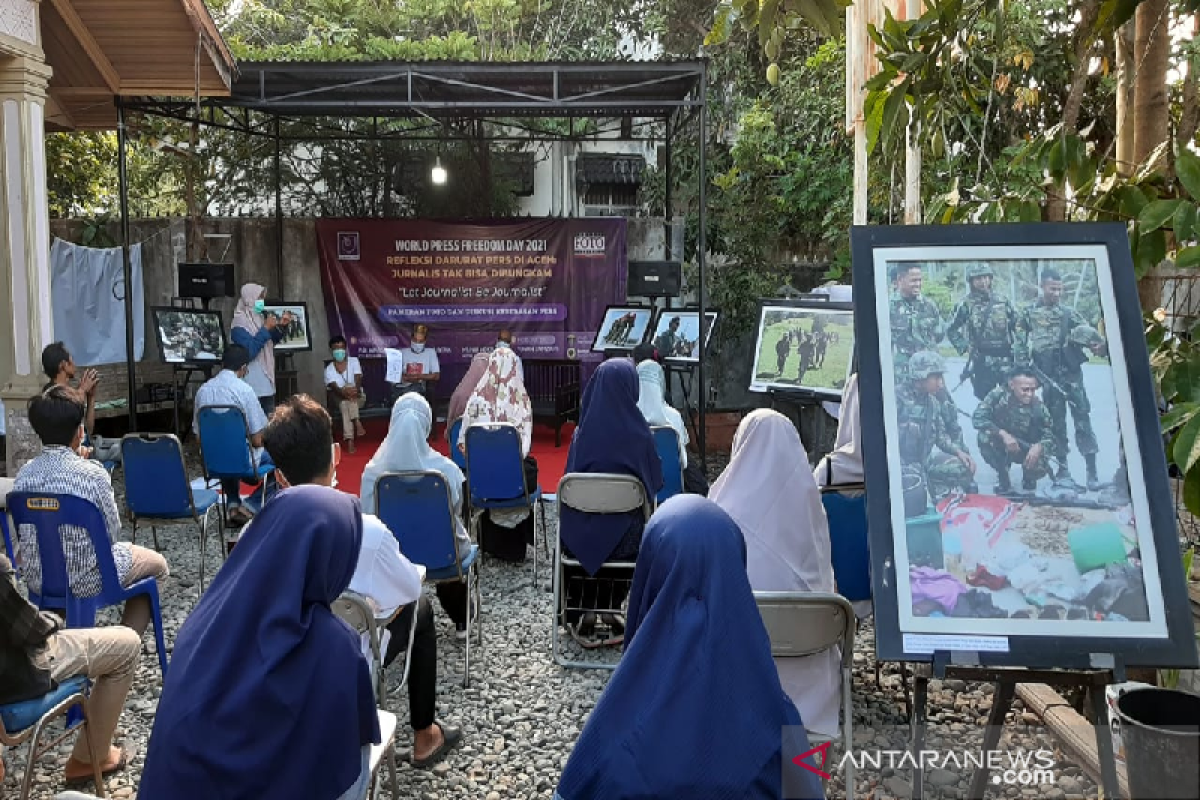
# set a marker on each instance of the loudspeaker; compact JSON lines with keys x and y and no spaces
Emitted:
{"x":206,"y":280}
{"x":655,"y":279}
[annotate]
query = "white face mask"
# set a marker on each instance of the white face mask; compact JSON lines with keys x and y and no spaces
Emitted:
{"x":503,"y":343}
{"x":417,"y":347}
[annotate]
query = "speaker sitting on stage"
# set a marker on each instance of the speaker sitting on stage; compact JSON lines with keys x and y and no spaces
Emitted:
{"x":421,"y":366}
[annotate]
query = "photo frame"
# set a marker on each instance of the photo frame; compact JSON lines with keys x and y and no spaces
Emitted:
{"x":1037,"y":548}
{"x":298,"y":337}
{"x":679,"y":345}
{"x":805,"y":346}
{"x":189,"y":335}
{"x":623,"y":327}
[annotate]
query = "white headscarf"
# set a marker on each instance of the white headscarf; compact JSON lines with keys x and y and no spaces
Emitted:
{"x":845,"y":462}
{"x":500,"y":396}
{"x":772,"y":496}
{"x":244,"y":316}
{"x":406,"y":449}
{"x":652,"y":387}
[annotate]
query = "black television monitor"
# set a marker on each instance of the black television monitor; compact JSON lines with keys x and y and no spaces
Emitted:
{"x":189,"y":335}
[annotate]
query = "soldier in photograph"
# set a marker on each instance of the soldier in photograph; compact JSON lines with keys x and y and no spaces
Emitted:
{"x":806,"y":350}
{"x":822,"y":346}
{"x":1051,"y":340}
{"x":916,"y":326}
{"x":783,"y":349}
{"x":927,"y":446}
{"x":1014,"y":427}
{"x":982,"y":329}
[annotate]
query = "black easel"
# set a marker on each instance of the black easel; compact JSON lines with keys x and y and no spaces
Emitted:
{"x":685,"y":386}
{"x":1005,"y":680}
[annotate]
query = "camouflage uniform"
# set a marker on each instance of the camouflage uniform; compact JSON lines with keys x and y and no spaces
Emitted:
{"x":1051,"y":338}
{"x":983,"y":325}
{"x":922,"y":428}
{"x":916,"y":326}
{"x":1029,"y":425}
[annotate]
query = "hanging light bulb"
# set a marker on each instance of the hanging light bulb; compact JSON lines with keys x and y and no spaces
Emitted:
{"x":438,"y":174}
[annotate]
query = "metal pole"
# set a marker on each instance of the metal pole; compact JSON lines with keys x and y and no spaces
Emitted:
{"x":123,"y":182}
{"x":667,"y":193}
{"x":278,"y":217}
{"x":701,"y":245}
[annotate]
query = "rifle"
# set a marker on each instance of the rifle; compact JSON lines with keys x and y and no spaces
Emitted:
{"x":967,"y":372}
{"x":1046,"y":379}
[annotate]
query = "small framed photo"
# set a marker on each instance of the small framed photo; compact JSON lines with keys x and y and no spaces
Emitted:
{"x":622,"y":328}
{"x":1017,"y":493}
{"x":805,"y":345}
{"x":677,"y":334}
{"x":297,"y":334}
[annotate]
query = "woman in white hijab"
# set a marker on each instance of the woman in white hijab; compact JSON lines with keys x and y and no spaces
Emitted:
{"x":259,"y":334}
{"x":844,"y":465}
{"x":771,"y":495}
{"x":406,"y":449}
{"x":652,"y":387}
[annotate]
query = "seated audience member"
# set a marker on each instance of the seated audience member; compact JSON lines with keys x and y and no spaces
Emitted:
{"x":772,"y":496}
{"x":229,"y":388}
{"x":844,"y":464}
{"x":36,"y":653}
{"x":506,"y":339}
{"x":344,"y":379}
{"x":645,"y":352}
{"x":421,"y":367}
{"x":60,"y":368}
{"x":500,"y":396}
{"x":268,"y":695}
{"x":299,"y":438}
{"x":714,"y":729}
{"x":612,"y":436}
{"x":406,"y":449}
{"x":652,"y":390}
{"x":57,"y":417}
{"x":464,"y":390}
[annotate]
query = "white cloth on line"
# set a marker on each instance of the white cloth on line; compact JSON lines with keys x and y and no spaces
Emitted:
{"x":87,"y":286}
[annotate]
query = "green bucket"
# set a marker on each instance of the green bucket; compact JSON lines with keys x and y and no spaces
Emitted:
{"x":1096,"y":546}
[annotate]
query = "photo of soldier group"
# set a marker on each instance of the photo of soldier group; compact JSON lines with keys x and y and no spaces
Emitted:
{"x":622,"y":328}
{"x":1013,"y":507}
{"x":803,"y":347}
{"x":186,"y":335}
{"x":296,"y":335}
{"x":677,"y":334}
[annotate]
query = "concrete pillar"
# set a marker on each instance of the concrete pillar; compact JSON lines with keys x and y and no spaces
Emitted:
{"x":26,"y":319}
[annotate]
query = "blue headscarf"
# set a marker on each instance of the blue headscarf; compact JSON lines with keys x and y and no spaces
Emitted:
{"x":612,"y":436}
{"x":268,"y":695}
{"x":695,"y":708}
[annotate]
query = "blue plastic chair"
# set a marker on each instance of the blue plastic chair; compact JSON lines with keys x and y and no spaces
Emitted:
{"x":417,"y":508}
{"x":456,"y":455}
{"x":8,"y":545}
{"x":26,"y":720}
{"x":496,"y":478}
{"x":666,"y":442}
{"x":157,"y":489}
{"x":48,"y":514}
{"x":846,"y":509}
{"x":225,"y":450}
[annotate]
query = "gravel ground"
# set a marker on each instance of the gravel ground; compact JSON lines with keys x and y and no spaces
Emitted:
{"x":522,"y":713}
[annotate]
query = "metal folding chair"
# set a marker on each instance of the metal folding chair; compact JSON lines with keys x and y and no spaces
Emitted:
{"x":157,"y":489}
{"x":25,"y":721}
{"x":591,"y":493}
{"x":666,"y":442}
{"x":806,"y":623}
{"x":416,"y":507}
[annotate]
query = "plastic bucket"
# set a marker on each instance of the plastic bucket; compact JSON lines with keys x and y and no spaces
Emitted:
{"x":1160,"y":731}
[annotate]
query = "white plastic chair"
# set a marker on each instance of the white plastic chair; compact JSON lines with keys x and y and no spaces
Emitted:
{"x":806,"y":623}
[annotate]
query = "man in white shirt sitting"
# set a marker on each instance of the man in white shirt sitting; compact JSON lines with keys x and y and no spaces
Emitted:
{"x":299,"y":438}
{"x":421,"y":367}
{"x":344,"y":380}
{"x":229,"y":388}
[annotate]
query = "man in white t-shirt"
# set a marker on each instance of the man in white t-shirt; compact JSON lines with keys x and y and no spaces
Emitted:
{"x":299,"y":438}
{"x":344,"y":379}
{"x":421,"y":367}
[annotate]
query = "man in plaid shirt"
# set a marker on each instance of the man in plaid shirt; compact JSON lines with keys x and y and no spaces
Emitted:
{"x":35,"y":654}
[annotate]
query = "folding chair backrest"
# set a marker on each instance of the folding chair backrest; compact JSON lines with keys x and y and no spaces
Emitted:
{"x":156,"y":483}
{"x":354,"y":609}
{"x":846,"y":510}
{"x":456,"y":455}
{"x":602,"y":493}
{"x":224,"y":442}
{"x":804,"y":623}
{"x":49,"y":514}
{"x":666,"y":442}
{"x":495,"y":468}
{"x":416,"y":507}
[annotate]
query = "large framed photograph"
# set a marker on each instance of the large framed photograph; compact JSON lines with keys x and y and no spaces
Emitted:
{"x":622,"y":328}
{"x":677,"y":334}
{"x":803,"y":345}
{"x":1018,"y":502}
{"x":297,"y":334}
{"x":188,"y":335}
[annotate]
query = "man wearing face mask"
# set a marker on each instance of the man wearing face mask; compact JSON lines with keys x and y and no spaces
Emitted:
{"x":229,"y":388}
{"x":344,"y":379}
{"x":421,"y":366}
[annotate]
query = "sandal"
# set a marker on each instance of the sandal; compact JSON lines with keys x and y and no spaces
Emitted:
{"x":238,"y":516}
{"x":83,"y":780}
{"x":450,"y":739}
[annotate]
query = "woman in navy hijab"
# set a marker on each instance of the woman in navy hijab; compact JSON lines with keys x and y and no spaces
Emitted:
{"x":612,"y":436}
{"x":695,"y":709}
{"x":268,"y":696}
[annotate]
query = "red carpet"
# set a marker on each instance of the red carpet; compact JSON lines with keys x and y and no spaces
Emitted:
{"x":552,"y":461}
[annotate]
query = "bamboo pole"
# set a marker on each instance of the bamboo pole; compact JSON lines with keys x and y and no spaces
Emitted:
{"x":1069,"y":727}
